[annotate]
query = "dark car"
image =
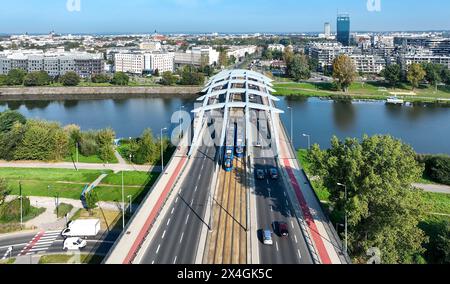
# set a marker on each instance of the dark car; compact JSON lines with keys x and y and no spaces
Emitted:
{"x":273,"y":173}
{"x":260,"y":174}
{"x":283,"y":229}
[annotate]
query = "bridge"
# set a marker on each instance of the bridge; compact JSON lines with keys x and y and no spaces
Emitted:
{"x":236,"y":178}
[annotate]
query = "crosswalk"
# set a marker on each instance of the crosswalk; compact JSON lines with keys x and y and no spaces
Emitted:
{"x":41,"y":242}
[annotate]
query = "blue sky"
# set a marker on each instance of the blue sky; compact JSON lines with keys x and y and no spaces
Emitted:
{"x":123,"y":16}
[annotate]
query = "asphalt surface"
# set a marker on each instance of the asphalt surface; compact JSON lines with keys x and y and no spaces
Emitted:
{"x":177,"y":239}
{"x":273,"y":206}
{"x":51,"y":243}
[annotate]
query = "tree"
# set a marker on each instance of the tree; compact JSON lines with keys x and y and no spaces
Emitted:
{"x":100,"y":78}
{"x":156,"y":73}
{"x":105,"y":141}
{"x":433,"y":73}
{"x":120,"y":79}
{"x":415,"y":75}
{"x":9,"y":118}
{"x":344,"y":72}
{"x":40,"y":78}
{"x":168,"y":79}
{"x":91,"y":199}
{"x":383,"y":208}
{"x":445,"y":75}
{"x":393,"y":74}
{"x":147,"y":152}
{"x":298,"y":68}
{"x":15,"y":77}
{"x":223,"y":58}
{"x":4,"y":191}
{"x":9,"y":141}
{"x":267,"y":54}
{"x":70,"y":79}
{"x":288,"y":55}
{"x":3,"y":80}
{"x":189,"y":76}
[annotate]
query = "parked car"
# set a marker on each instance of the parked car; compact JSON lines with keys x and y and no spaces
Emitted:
{"x":74,"y":244}
{"x":260,"y":174}
{"x":267,"y":238}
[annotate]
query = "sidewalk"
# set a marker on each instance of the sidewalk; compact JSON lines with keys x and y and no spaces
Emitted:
{"x":81,"y":166}
{"x":434,"y":188}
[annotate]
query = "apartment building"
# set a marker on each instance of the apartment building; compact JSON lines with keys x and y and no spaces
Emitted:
{"x":139,"y":62}
{"x":55,"y":64}
{"x":197,"y":56}
{"x":240,"y":51}
{"x":163,"y":62}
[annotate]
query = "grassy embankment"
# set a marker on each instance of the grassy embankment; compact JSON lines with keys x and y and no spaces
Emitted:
{"x":70,"y":183}
{"x":369,"y":91}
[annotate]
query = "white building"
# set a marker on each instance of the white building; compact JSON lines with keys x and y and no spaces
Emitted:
{"x":371,"y":64}
{"x":133,"y":63}
{"x":163,"y":62}
{"x":150,"y":46}
{"x":409,"y":59}
{"x":276,"y":47}
{"x":54,"y":63}
{"x":240,"y":51}
{"x":197,"y":56}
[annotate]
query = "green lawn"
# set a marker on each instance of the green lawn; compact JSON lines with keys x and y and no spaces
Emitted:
{"x":438,"y":202}
{"x":68,"y":258}
{"x":88,"y":159}
{"x":70,"y":183}
{"x":372,"y":90}
{"x":8,"y":261}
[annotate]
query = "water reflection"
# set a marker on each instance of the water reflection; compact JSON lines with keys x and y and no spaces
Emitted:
{"x":344,"y":115}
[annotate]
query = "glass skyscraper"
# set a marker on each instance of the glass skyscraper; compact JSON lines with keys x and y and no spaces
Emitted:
{"x":343,"y":29}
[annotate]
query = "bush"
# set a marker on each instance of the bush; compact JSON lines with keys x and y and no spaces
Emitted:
{"x":15,"y":77}
{"x":3,"y":80}
{"x":88,"y":146}
{"x":437,"y":168}
{"x":100,"y":78}
{"x":70,"y":79}
{"x":11,"y":211}
{"x":168,"y":79}
{"x":120,"y":79}
{"x":9,"y":118}
{"x":40,"y":78}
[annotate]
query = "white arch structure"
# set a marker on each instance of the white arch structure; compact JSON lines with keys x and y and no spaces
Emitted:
{"x":227,"y":83}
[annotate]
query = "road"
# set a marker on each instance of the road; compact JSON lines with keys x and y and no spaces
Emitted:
{"x":177,"y":239}
{"x":273,"y":205}
{"x":50,"y":242}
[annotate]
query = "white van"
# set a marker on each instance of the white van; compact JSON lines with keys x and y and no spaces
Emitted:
{"x":74,"y":244}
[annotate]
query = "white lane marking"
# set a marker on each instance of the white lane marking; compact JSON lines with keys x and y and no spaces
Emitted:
{"x":51,"y":232}
{"x":5,"y":256}
{"x":175,"y":260}
{"x":176,"y":200}
{"x":270,"y":193}
{"x":181,"y":239}
{"x":187,"y":218}
{"x":295,"y":238}
{"x":168,"y":222}
{"x":271,"y":208}
{"x":38,"y":249}
{"x":195,"y":190}
{"x":268,"y":183}
{"x":285,"y":195}
{"x":287,"y":202}
{"x":203,"y":166}
{"x":292,"y":224}
{"x":157,"y":250}
{"x":192,"y":202}
{"x":48,"y":238}
{"x":173,"y":209}
{"x":299,"y":254}
{"x":276,"y":244}
{"x":163,"y":235}
{"x":153,"y":262}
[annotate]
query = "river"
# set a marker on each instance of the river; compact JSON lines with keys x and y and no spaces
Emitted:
{"x":426,"y":128}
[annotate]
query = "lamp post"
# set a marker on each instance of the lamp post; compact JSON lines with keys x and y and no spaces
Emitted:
{"x":76,"y":147}
{"x":21,"y":203}
{"x":292,"y":124}
{"x":346,"y":218}
{"x":123,"y":205}
{"x":162,"y":150}
{"x":309,"y":140}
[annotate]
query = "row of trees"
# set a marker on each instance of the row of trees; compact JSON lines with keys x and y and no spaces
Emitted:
{"x":146,"y":149}
{"x":384,"y":210}
{"x":188,"y":75}
{"x":431,"y":72}
{"x":17,"y":77}
{"x":22,"y":139}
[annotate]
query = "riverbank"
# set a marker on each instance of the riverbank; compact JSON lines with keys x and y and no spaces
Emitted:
{"x":364,"y":91}
{"x":93,"y":93}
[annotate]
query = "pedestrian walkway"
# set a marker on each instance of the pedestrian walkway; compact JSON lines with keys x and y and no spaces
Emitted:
{"x":80,"y":166}
{"x":434,"y":188}
{"x":40,"y":243}
{"x":120,"y":158}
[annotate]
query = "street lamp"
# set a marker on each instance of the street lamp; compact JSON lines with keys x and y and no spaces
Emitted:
{"x":162,"y":150}
{"x":76,"y":147}
{"x":309,"y":140}
{"x":123,"y":205}
{"x":292,"y":124}
{"x":346,"y":218}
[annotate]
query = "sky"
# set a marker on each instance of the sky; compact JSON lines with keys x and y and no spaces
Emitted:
{"x":243,"y":16}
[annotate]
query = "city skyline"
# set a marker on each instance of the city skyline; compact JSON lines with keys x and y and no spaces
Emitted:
{"x":205,"y":16}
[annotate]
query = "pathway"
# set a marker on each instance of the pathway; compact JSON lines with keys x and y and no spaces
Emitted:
{"x":434,"y":188}
{"x":81,"y":166}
